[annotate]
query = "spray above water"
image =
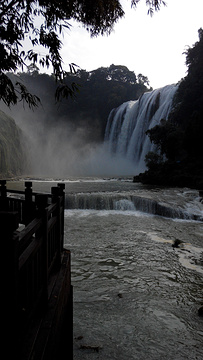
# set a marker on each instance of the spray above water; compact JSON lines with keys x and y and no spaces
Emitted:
{"x":61,"y":149}
{"x":126,"y":143}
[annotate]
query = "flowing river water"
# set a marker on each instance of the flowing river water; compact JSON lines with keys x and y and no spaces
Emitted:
{"x":135,"y":295}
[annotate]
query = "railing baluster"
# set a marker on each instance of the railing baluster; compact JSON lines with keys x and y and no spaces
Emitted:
{"x":9,"y":280}
{"x":62,"y":205}
{"x":3,"y":198}
{"x":28,"y":205}
{"x":41,"y":204}
{"x":57,"y":241}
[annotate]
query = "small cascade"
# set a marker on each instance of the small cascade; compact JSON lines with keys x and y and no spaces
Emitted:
{"x":126,"y":128}
{"x":126,"y":202}
{"x":124,"y":205}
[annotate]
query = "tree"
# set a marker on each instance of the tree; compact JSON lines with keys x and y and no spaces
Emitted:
{"x":41,"y":22}
{"x":168,"y":139}
{"x":143,"y":80}
{"x":188,"y":103}
{"x":153,"y":160}
{"x":179,"y":138}
{"x":86,"y":110}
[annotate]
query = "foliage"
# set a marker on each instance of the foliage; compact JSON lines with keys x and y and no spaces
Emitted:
{"x":152,"y":5}
{"x":41,"y":22}
{"x":11,"y":153}
{"x":101,"y":90}
{"x":188,"y":104}
{"x":180,"y":138}
{"x":168,"y":139}
{"x":153,"y":160}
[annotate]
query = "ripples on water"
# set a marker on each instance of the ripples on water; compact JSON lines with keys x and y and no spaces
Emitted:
{"x":135,"y":296}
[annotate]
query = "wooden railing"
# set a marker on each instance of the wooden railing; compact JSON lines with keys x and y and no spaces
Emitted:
{"x":31,"y":235}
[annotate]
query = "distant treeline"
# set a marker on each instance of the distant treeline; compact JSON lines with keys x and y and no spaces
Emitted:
{"x":98,"y":92}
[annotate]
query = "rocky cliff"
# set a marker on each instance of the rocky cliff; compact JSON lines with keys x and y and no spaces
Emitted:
{"x":12,"y":159}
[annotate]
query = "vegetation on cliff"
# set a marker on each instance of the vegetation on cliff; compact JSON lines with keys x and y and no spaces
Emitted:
{"x":100,"y":91}
{"x":179,"y":140}
{"x":11,"y":153}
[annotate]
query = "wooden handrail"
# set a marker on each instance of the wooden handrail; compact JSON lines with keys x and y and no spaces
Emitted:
{"x":28,"y":252}
{"x":26,"y":234}
{"x":37,"y":291}
{"x":39,"y":243}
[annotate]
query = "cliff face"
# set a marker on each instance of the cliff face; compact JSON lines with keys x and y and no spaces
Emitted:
{"x":11,"y":152}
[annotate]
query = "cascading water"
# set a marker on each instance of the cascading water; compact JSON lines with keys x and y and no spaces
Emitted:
{"x":137,"y":278}
{"x":130,"y":202}
{"x":126,"y":128}
{"x":136,"y":294}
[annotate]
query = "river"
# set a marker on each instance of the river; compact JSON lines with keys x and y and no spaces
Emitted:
{"x":135,"y":295}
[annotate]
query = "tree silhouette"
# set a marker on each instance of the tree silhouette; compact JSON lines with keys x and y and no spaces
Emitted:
{"x":41,"y":22}
{"x":180,"y":137}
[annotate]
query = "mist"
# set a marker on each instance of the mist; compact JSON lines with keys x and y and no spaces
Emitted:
{"x":66,"y":138}
{"x":60,"y":143}
{"x":64,"y":149}
{"x":62,"y":152}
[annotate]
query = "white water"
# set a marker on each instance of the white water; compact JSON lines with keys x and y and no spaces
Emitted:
{"x":127,"y":125}
{"x":135,"y":296}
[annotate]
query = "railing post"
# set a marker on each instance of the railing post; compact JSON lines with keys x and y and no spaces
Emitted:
{"x":3,"y":196}
{"x":41,"y":201}
{"x":9,"y":281}
{"x":28,"y":191}
{"x":29,"y":206}
{"x":62,"y":194}
{"x":55,"y":191}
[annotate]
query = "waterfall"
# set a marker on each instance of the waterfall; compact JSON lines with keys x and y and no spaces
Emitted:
{"x":126,"y":128}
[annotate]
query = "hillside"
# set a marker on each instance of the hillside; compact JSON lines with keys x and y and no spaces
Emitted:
{"x":11,"y":152}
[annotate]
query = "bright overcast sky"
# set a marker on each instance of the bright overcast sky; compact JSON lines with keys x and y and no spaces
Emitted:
{"x":152,"y":46}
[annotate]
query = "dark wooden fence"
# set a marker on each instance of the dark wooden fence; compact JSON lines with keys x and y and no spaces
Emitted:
{"x":31,"y":235}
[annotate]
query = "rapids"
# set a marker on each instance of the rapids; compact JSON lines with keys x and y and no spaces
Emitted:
{"x":136,"y":297}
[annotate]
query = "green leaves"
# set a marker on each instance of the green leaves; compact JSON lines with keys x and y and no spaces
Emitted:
{"x":65,"y":91}
{"x":7,"y":91}
{"x":180,"y":137}
{"x":153,"y":5}
{"x":41,"y":22}
{"x":25,"y":96}
{"x":11,"y":94}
